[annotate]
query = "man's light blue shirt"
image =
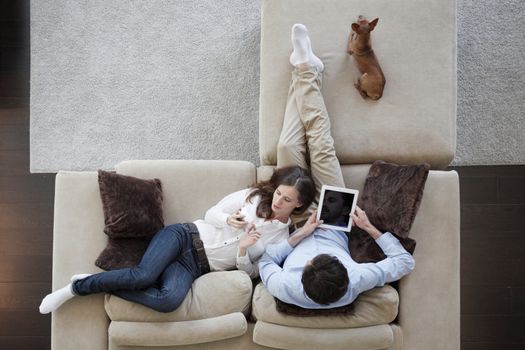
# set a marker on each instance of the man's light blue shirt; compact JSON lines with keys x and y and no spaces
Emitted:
{"x":285,"y":282}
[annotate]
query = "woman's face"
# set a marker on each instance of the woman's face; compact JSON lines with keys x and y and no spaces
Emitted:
{"x":285,"y":200}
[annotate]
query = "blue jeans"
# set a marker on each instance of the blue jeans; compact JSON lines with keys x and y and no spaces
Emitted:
{"x":162,"y":278}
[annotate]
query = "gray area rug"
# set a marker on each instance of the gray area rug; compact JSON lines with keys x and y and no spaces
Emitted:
{"x":159,"y":79}
{"x":491,"y":82}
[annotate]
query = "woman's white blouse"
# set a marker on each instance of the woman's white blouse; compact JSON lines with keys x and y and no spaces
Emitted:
{"x":221,"y":241}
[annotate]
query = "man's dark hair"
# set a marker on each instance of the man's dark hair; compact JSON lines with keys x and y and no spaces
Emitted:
{"x":325,"y":279}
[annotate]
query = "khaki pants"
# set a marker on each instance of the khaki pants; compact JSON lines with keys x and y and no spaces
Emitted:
{"x":305,"y":137}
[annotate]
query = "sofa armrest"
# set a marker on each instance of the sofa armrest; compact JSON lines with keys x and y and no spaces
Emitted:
{"x":78,"y":238}
{"x":430,"y":296}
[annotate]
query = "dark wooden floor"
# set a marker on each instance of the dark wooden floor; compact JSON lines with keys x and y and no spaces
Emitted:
{"x":26,"y":232}
{"x":26,"y":201}
{"x":492,"y":257}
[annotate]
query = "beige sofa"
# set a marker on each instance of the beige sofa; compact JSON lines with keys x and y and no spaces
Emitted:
{"x":413,"y":122}
{"x":214,"y":314}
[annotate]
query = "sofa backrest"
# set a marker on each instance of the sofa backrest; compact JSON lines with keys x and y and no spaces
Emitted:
{"x":415,"y":42}
{"x":191,"y":186}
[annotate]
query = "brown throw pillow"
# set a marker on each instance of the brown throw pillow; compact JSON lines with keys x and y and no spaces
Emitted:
{"x":391,"y":199}
{"x":122,"y":252}
{"x":132,"y":206}
{"x":132,"y":215}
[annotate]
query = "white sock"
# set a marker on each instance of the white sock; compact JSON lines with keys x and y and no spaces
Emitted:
{"x":80,"y":276}
{"x":302,"y":48}
{"x":300,"y":45}
{"x":316,"y":61}
{"x":53,"y":301}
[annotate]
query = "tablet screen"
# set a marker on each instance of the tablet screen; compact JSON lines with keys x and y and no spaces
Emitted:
{"x":336,"y":205}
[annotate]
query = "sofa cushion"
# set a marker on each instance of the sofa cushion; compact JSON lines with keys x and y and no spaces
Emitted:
{"x":213,"y":294}
{"x":375,"y":307}
{"x":414,"y":121}
{"x":362,"y":338}
{"x":152,"y":335}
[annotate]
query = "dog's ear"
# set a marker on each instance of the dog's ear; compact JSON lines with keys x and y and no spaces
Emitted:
{"x":373,"y":24}
{"x":355,"y":27}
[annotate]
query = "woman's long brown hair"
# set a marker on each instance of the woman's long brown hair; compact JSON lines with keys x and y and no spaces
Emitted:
{"x":294,"y":176}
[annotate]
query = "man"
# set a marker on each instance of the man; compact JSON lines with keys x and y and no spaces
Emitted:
{"x":313,"y":268}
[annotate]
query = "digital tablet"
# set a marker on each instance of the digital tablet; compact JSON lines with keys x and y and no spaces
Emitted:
{"x":335,"y":206}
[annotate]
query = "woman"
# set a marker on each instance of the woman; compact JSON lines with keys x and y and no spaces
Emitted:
{"x":234,"y":233}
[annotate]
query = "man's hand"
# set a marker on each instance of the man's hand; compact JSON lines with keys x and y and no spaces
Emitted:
{"x":309,"y":227}
{"x":360,"y":219}
{"x":249,"y":238}
{"x":236,"y":220}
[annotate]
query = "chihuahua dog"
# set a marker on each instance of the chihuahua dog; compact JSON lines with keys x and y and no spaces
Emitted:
{"x":372,"y":81}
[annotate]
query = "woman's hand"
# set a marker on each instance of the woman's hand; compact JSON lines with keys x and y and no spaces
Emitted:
{"x":308,"y":228}
{"x":236,"y":220}
{"x":249,"y":238}
{"x":360,"y":219}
